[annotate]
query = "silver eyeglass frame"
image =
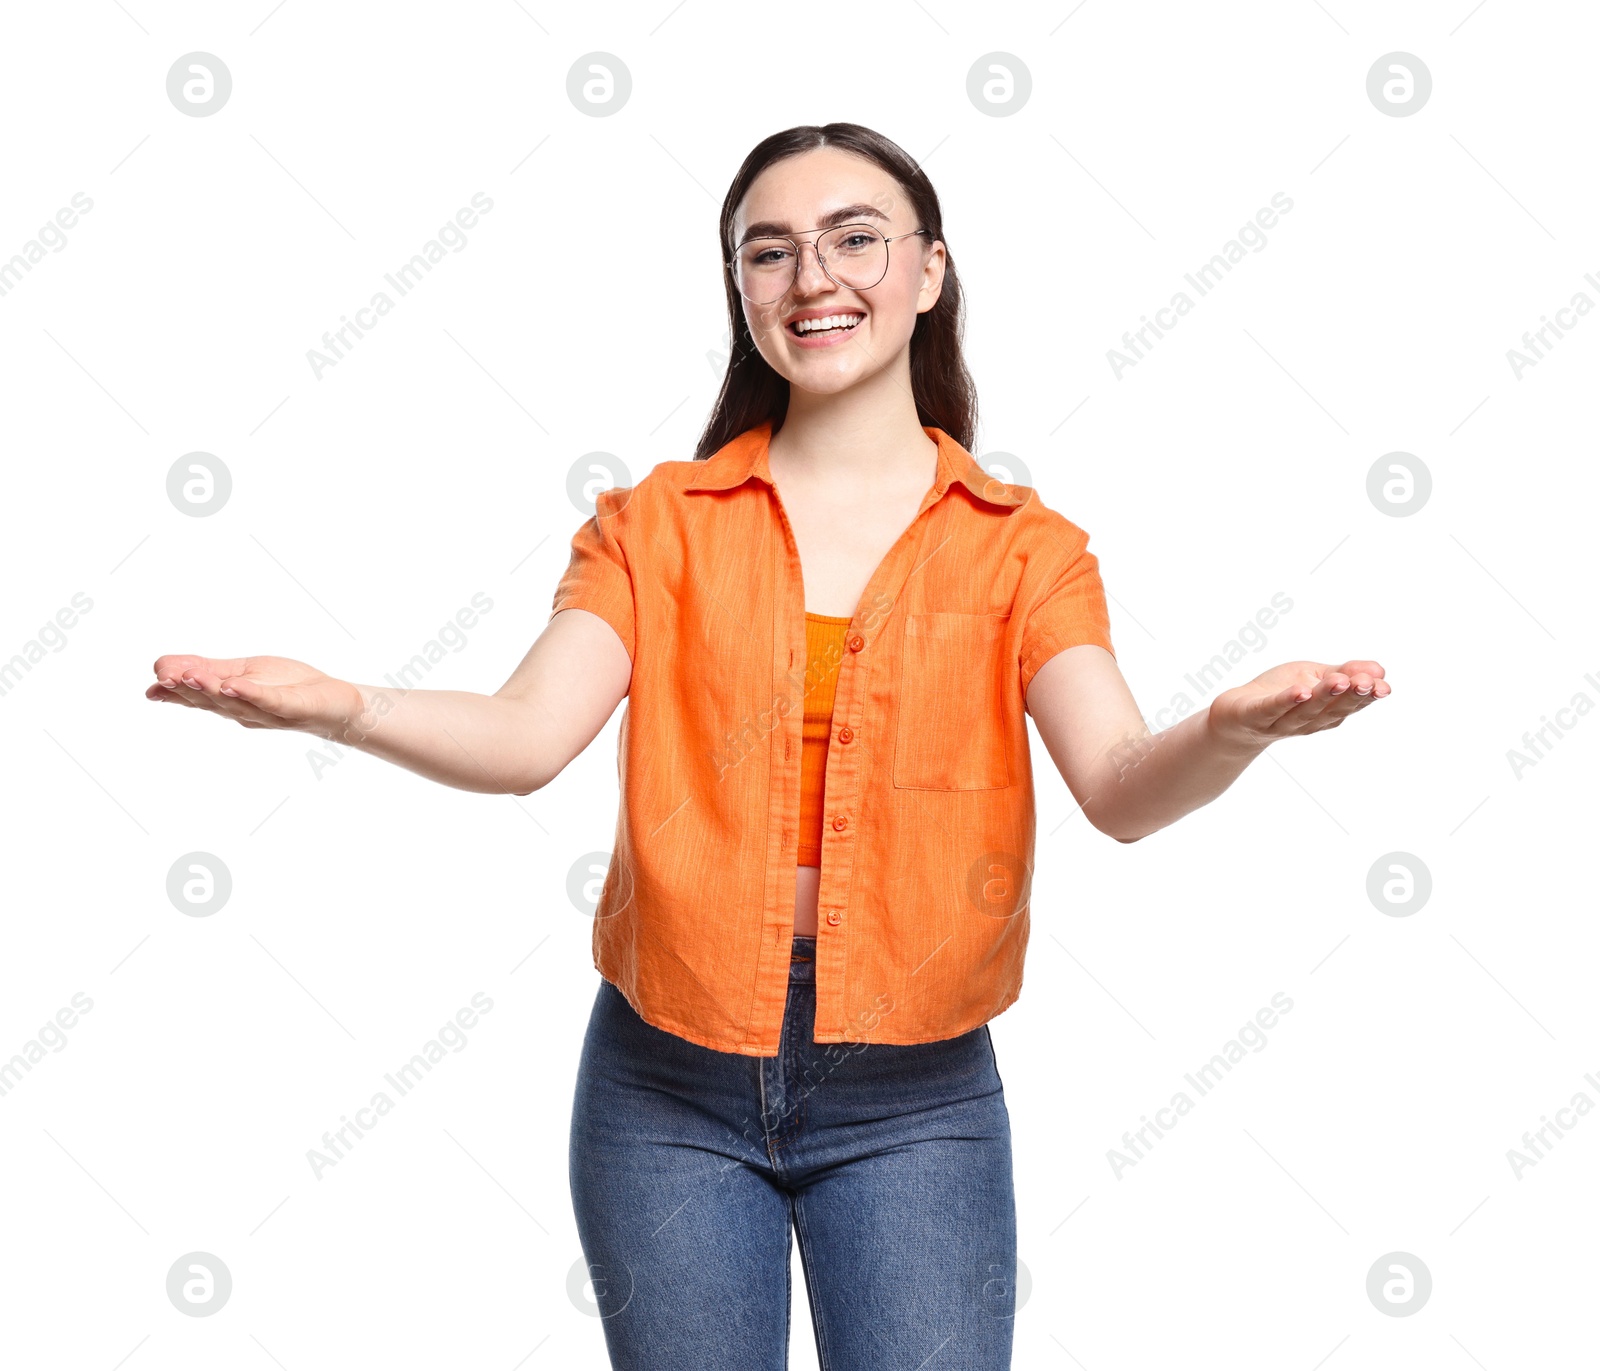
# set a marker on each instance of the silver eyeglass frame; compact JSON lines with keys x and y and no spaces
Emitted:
{"x":796,"y":245}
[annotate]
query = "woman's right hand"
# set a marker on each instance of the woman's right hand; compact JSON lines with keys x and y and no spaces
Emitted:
{"x":261,"y":692}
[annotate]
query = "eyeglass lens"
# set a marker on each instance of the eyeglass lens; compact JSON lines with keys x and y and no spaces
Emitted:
{"x":856,"y":256}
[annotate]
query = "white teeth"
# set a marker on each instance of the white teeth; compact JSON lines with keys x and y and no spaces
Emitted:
{"x":831,"y":321}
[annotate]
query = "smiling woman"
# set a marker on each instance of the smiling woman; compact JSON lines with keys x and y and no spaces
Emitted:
{"x":859,"y":884}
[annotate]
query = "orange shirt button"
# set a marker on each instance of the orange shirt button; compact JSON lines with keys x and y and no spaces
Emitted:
{"x":839,"y":821}
{"x":855,"y":642}
{"x":845,"y":735}
{"x":834,"y":917}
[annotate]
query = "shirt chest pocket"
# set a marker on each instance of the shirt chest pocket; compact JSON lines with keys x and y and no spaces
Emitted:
{"x":954,"y":675}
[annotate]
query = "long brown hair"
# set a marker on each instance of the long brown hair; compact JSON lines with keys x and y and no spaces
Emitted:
{"x":752,"y":392}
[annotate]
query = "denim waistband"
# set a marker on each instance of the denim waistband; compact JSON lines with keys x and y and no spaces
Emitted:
{"x":803,"y":959}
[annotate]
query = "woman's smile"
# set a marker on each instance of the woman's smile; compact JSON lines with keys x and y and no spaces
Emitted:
{"x":823,"y":327}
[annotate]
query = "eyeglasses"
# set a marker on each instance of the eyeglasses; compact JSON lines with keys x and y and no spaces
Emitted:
{"x":854,"y":256}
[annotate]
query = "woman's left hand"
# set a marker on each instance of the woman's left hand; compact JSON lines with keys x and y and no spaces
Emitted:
{"x":1295,"y":698}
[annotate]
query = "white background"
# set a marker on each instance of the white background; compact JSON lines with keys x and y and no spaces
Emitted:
{"x":430,"y":464}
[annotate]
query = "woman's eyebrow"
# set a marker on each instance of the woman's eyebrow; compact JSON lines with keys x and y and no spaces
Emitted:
{"x":772,"y":228}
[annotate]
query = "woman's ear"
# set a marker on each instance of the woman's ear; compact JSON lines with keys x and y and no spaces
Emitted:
{"x":932,"y":278}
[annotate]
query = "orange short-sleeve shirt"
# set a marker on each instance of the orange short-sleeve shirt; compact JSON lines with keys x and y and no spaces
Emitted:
{"x":928,"y":834}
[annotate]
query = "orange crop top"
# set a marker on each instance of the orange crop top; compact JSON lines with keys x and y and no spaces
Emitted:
{"x":824,"y":651}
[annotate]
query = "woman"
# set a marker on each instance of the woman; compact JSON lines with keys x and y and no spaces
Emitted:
{"x":829,"y":627}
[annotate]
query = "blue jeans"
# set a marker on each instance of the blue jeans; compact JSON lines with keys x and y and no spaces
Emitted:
{"x":893,"y":1162}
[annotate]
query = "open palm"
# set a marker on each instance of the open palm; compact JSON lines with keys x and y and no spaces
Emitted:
{"x":1295,"y":698}
{"x":259,"y":692}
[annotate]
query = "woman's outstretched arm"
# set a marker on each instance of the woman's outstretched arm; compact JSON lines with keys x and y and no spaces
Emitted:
{"x":1130,"y":781}
{"x":514,"y":741}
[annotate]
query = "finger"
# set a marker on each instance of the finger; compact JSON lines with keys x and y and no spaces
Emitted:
{"x":215,"y":686}
{"x":1312,"y":703}
{"x":172,"y":665}
{"x":268,"y":699}
{"x":189,"y":699}
{"x":1374,"y":690}
{"x":1346,"y":705}
{"x":1329,"y":690}
{"x":236,"y":710}
{"x":192,"y":689}
{"x":1272,"y":708}
{"x":221,"y":690}
{"x":1372,"y":669}
{"x":181,"y":694}
{"x":201,"y":678}
{"x":196,"y":699}
{"x":1329,"y":705}
{"x":1269,"y":711}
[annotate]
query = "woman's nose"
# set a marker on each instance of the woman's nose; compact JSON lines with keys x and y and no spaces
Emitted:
{"x":811,"y":278}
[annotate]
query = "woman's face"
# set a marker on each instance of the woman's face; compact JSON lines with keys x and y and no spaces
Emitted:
{"x":797,"y":195}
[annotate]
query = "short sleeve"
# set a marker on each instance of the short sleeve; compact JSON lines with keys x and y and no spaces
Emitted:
{"x":598,"y":577}
{"x":1069,"y":606}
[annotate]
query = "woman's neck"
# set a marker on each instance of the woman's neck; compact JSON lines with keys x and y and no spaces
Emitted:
{"x":827,"y":441}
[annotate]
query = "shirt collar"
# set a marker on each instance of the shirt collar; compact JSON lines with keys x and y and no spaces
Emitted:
{"x":746,"y":455}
